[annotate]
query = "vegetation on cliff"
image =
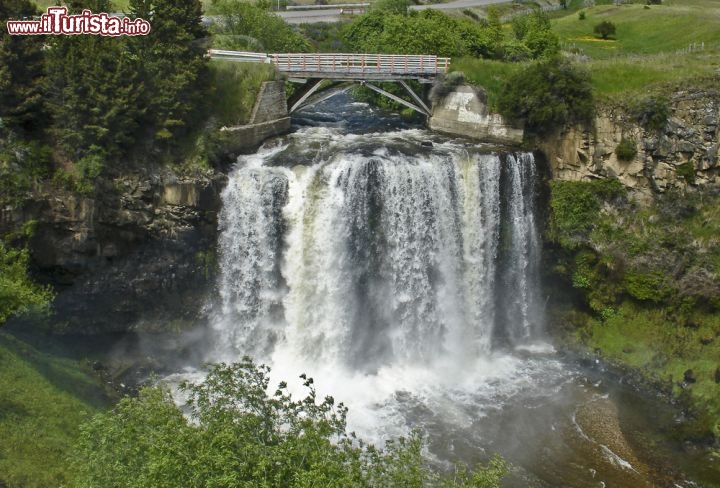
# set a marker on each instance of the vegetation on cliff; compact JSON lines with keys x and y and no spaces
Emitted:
{"x":18,"y":294}
{"x":647,"y":292}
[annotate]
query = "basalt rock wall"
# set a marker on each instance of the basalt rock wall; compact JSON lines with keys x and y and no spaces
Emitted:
{"x":682,"y":153}
{"x":141,"y":245}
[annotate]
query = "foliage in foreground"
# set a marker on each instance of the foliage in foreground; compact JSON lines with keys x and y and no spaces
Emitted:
{"x":240,"y":434}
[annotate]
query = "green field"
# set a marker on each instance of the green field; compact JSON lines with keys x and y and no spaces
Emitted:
{"x":667,"y":28}
{"x":43,"y":399}
{"x":663,"y":45}
{"x":653,"y":49}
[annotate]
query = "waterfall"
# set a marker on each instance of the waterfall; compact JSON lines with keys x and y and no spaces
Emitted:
{"x":361,"y":257}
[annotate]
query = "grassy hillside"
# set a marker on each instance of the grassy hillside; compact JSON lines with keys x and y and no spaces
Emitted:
{"x":653,"y":48}
{"x":666,"y":28}
{"x":43,"y":399}
{"x":671,"y":43}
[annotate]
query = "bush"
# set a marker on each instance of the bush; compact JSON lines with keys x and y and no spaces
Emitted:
{"x":646,"y":286}
{"x":246,"y":27}
{"x":238,"y":433}
{"x":687,"y":172}
{"x":626,"y":150}
{"x":548,"y":95}
{"x":391,"y":6}
{"x":605,"y":29}
{"x":652,"y":112}
{"x":18,"y":294}
{"x":581,"y":15}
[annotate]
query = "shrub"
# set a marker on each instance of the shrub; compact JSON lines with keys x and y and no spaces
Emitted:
{"x":581,"y":15}
{"x":548,"y":95}
{"x":392,"y":6}
{"x":18,"y":294}
{"x":239,"y":432}
{"x":652,"y":112}
{"x":646,"y":286}
{"x":687,"y":172}
{"x":626,"y":150}
{"x":605,"y":29}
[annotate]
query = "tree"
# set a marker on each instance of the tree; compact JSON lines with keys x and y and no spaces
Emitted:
{"x":94,"y":94}
{"x":172,"y":67}
{"x":391,"y":6}
{"x":245,"y":26}
{"x":241,"y":433}
{"x":93,"y":91}
{"x":605,"y":29}
{"x":22,"y":74}
{"x":548,"y":95}
{"x":535,"y":31}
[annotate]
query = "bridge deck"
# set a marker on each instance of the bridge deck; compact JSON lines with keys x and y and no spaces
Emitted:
{"x":343,"y":66}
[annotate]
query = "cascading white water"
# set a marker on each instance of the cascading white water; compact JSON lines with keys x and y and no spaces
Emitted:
{"x":370,"y":258}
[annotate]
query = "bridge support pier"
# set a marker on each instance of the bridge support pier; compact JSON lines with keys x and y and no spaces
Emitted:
{"x":401,"y":101}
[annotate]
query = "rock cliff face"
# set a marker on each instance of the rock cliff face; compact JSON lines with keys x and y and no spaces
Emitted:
{"x":141,"y":246}
{"x":684,"y":152}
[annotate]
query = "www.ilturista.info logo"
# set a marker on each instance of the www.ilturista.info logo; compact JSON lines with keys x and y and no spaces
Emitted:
{"x":57,"y":21}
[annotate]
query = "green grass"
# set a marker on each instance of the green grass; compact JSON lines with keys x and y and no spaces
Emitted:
{"x":237,"y":87}
{"x":646,"y":56}
{"x":635,"y":75}
{"x":659,"y":29}
{"x":489,"y":74}
{"x":650,"y":49}
{"x":43,"y":400}
{"x":647,"y":339}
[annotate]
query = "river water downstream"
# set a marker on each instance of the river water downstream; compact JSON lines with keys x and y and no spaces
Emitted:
{"x":400,"y":269}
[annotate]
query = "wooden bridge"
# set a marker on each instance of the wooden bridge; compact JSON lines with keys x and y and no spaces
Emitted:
{"x":315,"y":68}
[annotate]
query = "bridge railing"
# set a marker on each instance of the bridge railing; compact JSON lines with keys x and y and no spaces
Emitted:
{"x":391,"y":64}
{"x":343,"y":63}
{"x":241,"y":56}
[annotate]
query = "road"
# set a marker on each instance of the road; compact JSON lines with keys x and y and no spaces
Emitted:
{"x":333,"y":14}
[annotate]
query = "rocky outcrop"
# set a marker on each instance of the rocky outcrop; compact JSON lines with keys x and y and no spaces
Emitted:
{"x":683,"y":153}
{"x":141,"y":245}
{"x":464,"y":112}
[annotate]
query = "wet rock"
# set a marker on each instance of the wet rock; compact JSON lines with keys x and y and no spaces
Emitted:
{"x":426,"y":144}
{"x":689,"y":376}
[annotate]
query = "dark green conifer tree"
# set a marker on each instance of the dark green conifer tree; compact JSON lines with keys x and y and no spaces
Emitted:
{"x":172,"y":66}
{"x":94,"y":91}
{"x":22,"y":73}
